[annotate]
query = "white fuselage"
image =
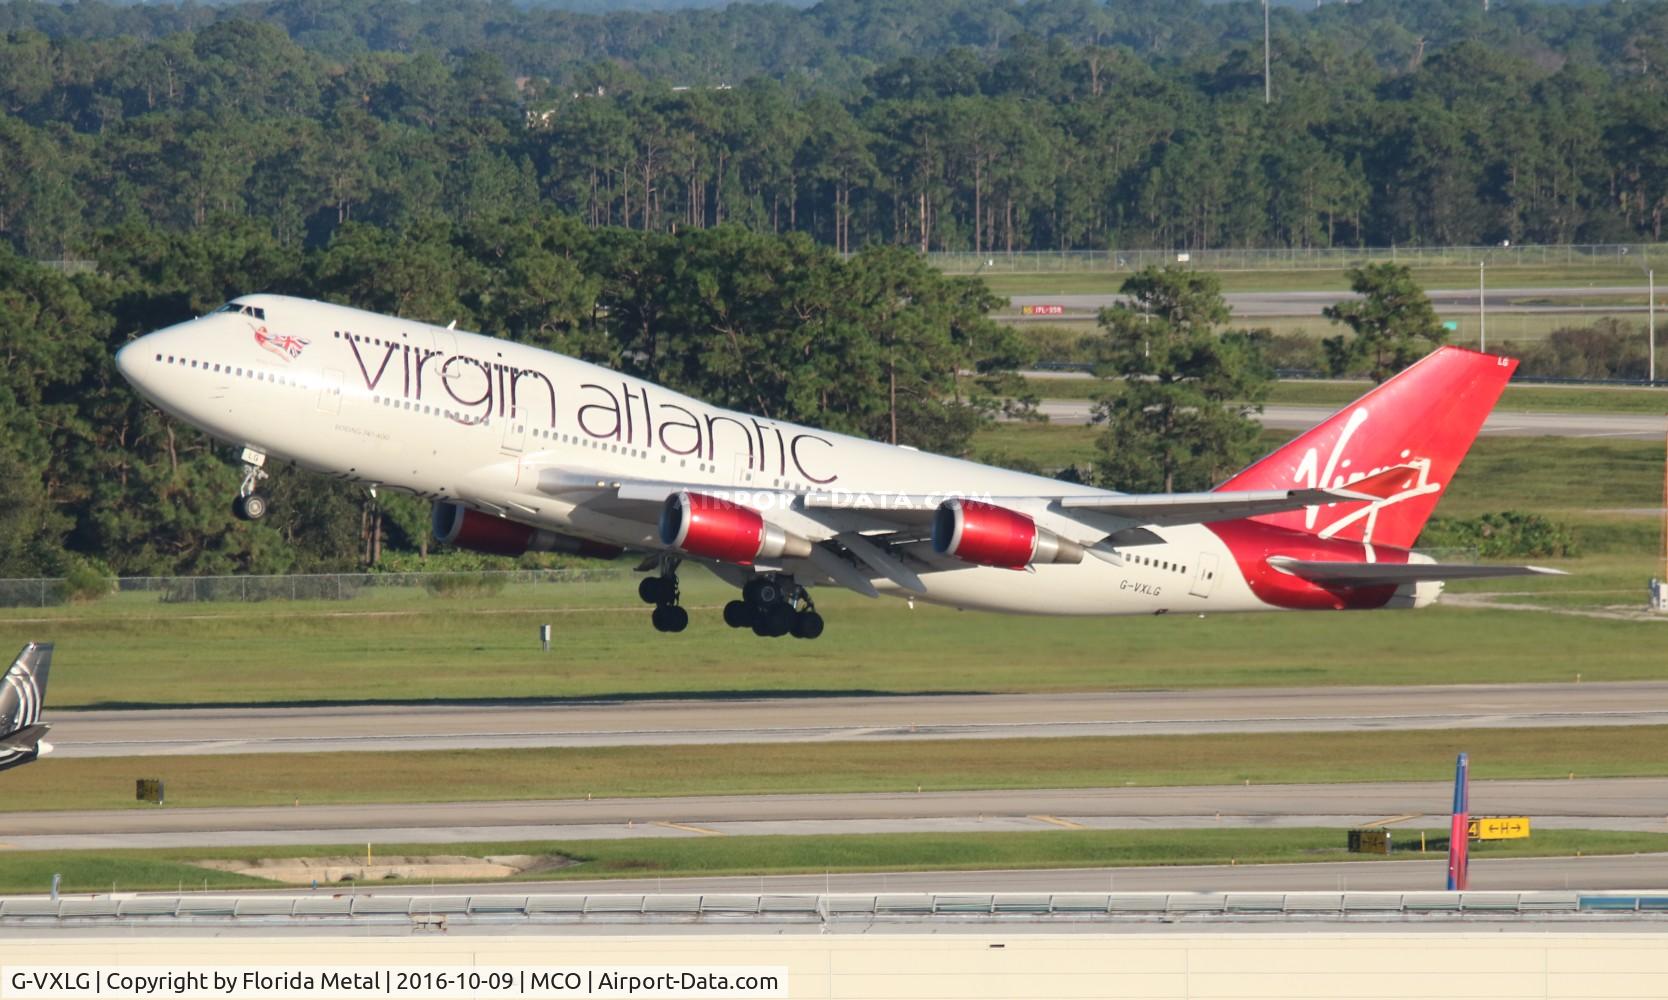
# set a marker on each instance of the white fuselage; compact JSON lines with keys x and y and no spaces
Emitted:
{"x":458,"y":416}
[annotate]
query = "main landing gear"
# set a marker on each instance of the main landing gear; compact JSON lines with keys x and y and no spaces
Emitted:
{"x":774,"y":606}
{"x":251,"y":503}
{"x":770,"y":605}
{"x":662,"y":592}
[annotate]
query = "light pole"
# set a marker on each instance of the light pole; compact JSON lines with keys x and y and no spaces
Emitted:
{"x":1265,"y":53}
{"x":1650,"y":332}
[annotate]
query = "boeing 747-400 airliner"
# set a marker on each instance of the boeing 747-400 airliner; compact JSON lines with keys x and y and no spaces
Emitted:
{"x":521,"y":449}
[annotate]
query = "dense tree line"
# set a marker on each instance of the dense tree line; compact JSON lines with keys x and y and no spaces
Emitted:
{"x":671,"y":192}
{"x":877,"y":344}
{"x":954,"y":124}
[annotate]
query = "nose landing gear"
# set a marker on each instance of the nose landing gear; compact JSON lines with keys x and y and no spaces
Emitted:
{"x":662,"y":592}
{"x":251,"y":503}
{"x":774,"y":606}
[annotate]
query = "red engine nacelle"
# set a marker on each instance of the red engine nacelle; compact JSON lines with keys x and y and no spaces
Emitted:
{"x":989,"y":535}
{"x":455,"y":524}
{"x":716,"y":528}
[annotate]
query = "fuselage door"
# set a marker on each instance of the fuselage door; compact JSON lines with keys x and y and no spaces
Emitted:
{"x":1205,"y":577}
{"x":741,"y":469}
{"x":515,"y":433}
{"x":330,"y":393}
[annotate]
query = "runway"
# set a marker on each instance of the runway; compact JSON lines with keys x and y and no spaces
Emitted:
{"x":1621,"y":803}
{"x":421,"y":727}
{"x":1503,"y":423}
{"x":1448,"y":301}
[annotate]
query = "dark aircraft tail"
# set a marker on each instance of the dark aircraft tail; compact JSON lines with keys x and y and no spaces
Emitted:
{"x":22,"y":697}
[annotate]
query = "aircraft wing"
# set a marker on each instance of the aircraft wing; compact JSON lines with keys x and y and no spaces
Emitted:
{"x":878,"y":511}
{"x":1354,"y":574}
{"x":856,"y":538}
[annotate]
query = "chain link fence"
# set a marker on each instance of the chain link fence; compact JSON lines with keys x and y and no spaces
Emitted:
{"x":40,"y":592}
{"x":1299,"y":258}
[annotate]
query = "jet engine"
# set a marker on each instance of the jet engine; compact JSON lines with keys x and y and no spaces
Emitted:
{"x":988,"y":535}
{"x":455,"y":524}
{"x":716,"y":528}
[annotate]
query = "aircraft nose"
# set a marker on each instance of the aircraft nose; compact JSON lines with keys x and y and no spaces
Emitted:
{"x":139,"y":364}
{"x":127,"y":362}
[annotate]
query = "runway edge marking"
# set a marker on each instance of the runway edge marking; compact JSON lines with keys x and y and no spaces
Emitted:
{"x":1057,"y":821}
{"x":1386,"y":821}
{"x":703,"y":831}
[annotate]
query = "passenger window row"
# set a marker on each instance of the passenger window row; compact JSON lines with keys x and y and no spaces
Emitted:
{"x":1159,"y":564}
{"x":226,"y":369}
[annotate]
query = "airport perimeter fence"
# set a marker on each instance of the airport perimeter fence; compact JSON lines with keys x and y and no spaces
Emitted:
{"x":49,"y":591}
{"x":1642,"y":255}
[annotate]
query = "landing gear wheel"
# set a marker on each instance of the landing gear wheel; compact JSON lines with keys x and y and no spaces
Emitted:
{"x":807,"y":625}
{"x":773,"y":620}
{"x":250,"y":508}
{"x":670,"y":618}
{"x":662,"y":592}
{"x":738,"y":614}
{"x":650,"y":588}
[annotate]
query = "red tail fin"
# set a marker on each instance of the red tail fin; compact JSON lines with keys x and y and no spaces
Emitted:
{"x":1424,"y":420}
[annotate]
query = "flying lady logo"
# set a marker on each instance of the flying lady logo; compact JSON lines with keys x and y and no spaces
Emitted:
{"x":1337,"y":474}
{"x":282,"y":344}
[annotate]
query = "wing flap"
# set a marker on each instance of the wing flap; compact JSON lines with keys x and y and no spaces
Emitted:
{"x":1353,"y":574}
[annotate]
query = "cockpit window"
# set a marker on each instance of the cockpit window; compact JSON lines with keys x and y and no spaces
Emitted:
{"x":239,"y":307}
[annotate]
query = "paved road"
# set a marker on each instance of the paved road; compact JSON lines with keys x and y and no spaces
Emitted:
{"x":1456,"y":301}
{"x":1628,"y":426}
{"x":798,"y":720}
{"x":1629,"y":803}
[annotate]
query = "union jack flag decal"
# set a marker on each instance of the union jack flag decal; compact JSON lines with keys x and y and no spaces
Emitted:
{"x":281,"y":344}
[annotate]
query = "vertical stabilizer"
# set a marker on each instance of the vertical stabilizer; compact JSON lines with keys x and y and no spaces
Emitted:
{"x":22,"y":696}
{"x":1422,"y":420}
{"x":1459,"y":830}
{"x":23,"y":689}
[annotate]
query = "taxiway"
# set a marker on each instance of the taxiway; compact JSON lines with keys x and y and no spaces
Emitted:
{"x":671,"y":722}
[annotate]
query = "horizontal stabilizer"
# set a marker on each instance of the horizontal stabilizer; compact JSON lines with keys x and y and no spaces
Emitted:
{"x":24,"y":739}
{"x":1358,"y":574}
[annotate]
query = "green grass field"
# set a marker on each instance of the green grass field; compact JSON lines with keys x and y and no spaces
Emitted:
{"x":878,"y":766}
{"x":441,"y":650}
{"x":169,"y":870}
{"x":1332,"y":279}
{"x":1517,"y":398}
